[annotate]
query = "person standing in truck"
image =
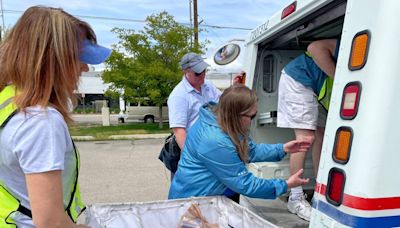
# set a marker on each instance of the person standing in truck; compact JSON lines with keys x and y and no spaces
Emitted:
{"x":303,"y":102}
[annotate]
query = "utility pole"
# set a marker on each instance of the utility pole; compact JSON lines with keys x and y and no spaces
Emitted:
{"x":191,"y":22}
{"x":196,"y":25}
{"x":2,"y":28}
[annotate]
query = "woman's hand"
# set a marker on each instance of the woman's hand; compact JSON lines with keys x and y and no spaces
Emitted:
{"x":296,"y":146}
{"x":296,"y":180}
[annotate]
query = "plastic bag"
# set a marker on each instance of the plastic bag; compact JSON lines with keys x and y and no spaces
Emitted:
{"x":193,"y":218}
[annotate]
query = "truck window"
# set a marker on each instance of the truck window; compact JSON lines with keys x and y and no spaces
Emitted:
{"x":269,"y":78}
{"x":148,"y":103}
{"x":133,"y":104}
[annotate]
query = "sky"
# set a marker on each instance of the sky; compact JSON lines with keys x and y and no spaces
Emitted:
{"x":227,"y":13}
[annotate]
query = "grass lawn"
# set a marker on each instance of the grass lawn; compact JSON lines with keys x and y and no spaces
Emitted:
{"x":102,"y":132}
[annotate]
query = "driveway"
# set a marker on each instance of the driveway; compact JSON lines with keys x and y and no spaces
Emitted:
{"x":129,"y":171}
{"x":122,"y":171}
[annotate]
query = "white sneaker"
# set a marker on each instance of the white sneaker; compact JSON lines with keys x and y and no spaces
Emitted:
{"x":300,"y":207}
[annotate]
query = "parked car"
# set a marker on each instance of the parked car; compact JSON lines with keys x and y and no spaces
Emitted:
{"x":145,"y":111}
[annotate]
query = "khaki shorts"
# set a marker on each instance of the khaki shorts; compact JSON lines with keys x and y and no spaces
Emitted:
{"x":298,"y":106}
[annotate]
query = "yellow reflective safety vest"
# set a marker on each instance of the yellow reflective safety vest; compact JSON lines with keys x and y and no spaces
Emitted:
{"x":324,"y":96}
{"x":8,"y":203}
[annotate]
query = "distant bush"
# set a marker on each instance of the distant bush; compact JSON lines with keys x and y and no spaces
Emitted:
{"x":114,"y":110}
{"x":83,"y":111}
{"x":91,"y":110}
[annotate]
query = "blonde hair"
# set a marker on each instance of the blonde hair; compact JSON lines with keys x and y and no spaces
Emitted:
{"x":234,"y":102}
{"x":40,"y":56}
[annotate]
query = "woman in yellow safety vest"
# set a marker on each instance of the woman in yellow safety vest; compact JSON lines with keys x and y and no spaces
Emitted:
{"x":40,"y":62}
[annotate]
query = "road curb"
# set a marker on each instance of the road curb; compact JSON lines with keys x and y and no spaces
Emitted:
{"x":140,"y":136}
{"x":123,"y":137}
{"x":83,"y":138}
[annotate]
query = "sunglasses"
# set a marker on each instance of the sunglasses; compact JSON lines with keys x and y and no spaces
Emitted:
{"x":251,"y":117}
{"x":198,"y":74}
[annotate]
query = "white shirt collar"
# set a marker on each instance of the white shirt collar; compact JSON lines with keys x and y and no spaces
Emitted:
{"x":189,"y":88}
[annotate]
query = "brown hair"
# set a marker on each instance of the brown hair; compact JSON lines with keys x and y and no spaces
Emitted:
{"x":234,"y":102}
{"x":40,"y":57}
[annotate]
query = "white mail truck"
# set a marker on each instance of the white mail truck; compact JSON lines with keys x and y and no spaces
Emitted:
{"x":358,"y":183}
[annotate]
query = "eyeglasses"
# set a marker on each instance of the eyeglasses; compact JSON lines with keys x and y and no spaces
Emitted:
{"x":199,"y":74}
{"x":251,"y":117}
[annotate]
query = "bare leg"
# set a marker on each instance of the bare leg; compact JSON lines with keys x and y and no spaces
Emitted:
{"x":316,"y":148}
{"x":297,"y":203}
{"x":297,"y":159}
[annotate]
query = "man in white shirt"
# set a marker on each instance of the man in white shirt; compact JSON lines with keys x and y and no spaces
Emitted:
{"x":189,"y":95}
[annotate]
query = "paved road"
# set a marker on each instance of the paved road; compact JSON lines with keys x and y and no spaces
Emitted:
{"x":122,"y":171}
{"x":129,"y":171}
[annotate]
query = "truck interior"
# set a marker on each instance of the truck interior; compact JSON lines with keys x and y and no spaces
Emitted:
{"x":273,"y":54}
{"x":322,"y":24}
{"x":278,"y":49}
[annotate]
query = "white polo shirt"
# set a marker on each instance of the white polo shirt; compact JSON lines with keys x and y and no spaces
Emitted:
{"x":184,"y":102}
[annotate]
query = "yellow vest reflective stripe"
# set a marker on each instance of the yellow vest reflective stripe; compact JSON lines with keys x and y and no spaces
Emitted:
{"x":7,"y":107}
{"x":8,"y":203}
{"x":75,"y":206}
{"x":324,"y":96}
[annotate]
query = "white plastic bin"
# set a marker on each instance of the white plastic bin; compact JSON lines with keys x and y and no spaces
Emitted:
{"x":269,"y":170}
{"x":218,"y":210}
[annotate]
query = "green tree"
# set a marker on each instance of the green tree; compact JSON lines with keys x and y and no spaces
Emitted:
{"x":145,"y":63}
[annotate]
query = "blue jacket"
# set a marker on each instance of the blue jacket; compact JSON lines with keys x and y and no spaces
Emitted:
{"x":210,"y":164}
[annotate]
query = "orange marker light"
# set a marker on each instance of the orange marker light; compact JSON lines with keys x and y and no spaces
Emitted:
{"x":359,"y":50}
{"x":343,"y":140}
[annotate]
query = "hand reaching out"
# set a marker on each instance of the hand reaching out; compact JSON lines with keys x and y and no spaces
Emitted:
{"x":296,"y":180}
{"x":295,"y":146}
{"x":238,"y":79}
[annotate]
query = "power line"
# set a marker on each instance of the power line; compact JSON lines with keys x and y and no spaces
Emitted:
{"x":136,"y":20}
{"x":90,"y":17}
{"x":225,"y":27}
{"x":212,"y":30}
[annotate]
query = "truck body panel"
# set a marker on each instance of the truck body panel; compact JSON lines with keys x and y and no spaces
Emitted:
{"x":370,"y":196}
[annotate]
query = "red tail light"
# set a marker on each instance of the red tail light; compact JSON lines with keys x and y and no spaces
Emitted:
{"x":288,"y":10}
{"x":335,"y":188}
{"x":350,"y":100}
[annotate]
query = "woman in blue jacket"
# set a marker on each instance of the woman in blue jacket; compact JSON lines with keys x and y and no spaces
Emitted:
{"x":218,"y":147}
